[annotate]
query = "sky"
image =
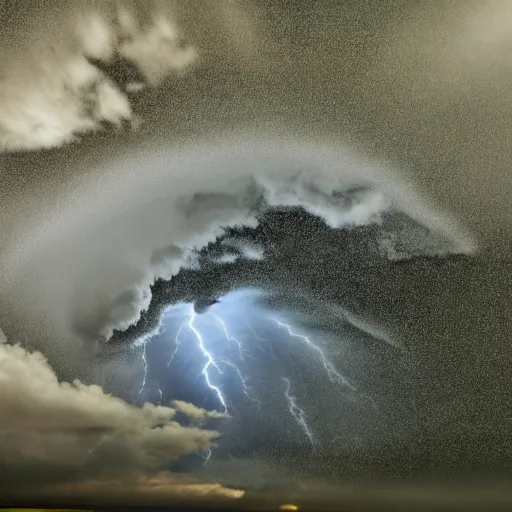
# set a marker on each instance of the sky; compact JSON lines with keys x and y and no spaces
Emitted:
{"x":252,"y":249}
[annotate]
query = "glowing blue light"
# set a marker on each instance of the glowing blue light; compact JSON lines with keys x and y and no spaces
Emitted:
{"x":224,"y":335}
{"x":228,"y":336}
{"x":189,"y":322}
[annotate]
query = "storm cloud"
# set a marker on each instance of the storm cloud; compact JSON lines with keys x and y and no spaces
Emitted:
{"x":328,"y":156}
{"x":55,"y":433}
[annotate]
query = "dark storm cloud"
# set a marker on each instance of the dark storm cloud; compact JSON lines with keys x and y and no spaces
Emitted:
{"x":440,"y":392}
{"x":313,"y":245}
{"x":422,"y":86}
{"x":109,"y":273}
{"x":118,"y":182}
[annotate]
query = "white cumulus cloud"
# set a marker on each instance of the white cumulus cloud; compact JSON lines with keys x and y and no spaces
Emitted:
{"x":51,"y":92}
{"x":71,"y":431}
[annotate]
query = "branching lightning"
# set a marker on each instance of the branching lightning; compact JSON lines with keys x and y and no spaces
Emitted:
{"x":190,"y":324}
{"x":228,"y":336}
{"x":210,"y":361}
{"x":243,"y":381}
{"x":268,"y":352}
{"x":224,"y":356}
{"x":297,"y":412}
{"x":333,"y":374}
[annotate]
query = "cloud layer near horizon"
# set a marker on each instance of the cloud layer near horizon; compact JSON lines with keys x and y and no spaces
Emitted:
{"x":68,"y":434}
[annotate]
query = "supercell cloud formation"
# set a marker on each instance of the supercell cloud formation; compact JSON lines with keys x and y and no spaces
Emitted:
{"x":101,"y":281}
{"x":234,"y":177}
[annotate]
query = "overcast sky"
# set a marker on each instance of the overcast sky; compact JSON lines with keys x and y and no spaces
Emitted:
{"x":327,"y":182}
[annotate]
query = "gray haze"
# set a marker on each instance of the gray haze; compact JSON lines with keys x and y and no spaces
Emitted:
{"x":359,"y":151}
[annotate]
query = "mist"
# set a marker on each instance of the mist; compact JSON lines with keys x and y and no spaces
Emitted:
{"x":355,"y":115}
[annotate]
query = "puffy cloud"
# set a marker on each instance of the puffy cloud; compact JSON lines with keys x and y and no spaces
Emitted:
{"x":126,"y":310}
{"x":339,"y":205}
{"x":157,"y":49}
{"x":196,"y":414}
{"x":167,"y":261}
{"x":64,"y":433}
{"x":247,"y":248}
{"x":229,"y":257}
{"x":51,"y":91}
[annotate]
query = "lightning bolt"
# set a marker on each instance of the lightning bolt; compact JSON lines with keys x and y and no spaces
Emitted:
{"x":145,"y":366}
{"x":243,"y":381}
{"x":189,"y":323}
{"x":210,"y":361}
{"x":225,"y":355}
{"x":260,"y":341}
{"x":228,"y":336}
{"x":177,"y":343}
{"x":332,"y":373}
{"x":297,"y":412}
